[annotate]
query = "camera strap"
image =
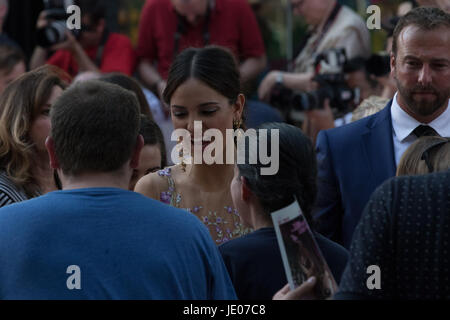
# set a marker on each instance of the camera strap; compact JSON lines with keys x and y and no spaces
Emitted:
{"x":101,"y":48}
{"x":182,"y":28}
{"x":327,"y":25}
{"x":325,"y":28}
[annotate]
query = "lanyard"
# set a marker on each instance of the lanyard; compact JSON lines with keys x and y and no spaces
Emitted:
{"x":182,"y":28}
{"x":325,"y":28}
{"x":327,"y":25}
{"x":101,"y":48}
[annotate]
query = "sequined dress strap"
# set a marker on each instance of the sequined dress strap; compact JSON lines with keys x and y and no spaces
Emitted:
{"x":170,"y":196}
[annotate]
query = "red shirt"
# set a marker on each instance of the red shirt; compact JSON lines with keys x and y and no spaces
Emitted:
{"x":232,"y":24}
{"x":118,"y":56}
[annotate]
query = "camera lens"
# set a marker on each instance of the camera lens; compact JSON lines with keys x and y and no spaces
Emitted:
{"x":52,"y":34}
{"x":312,"y":100}
{"x":304,"y":101}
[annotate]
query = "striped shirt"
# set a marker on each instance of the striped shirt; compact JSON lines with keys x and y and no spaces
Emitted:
{"x":9,"y":192}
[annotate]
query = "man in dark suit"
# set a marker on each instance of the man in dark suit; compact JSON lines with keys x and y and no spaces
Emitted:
{"x":355,"y":159}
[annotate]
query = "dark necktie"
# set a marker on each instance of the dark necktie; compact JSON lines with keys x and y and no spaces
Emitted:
{"x":422,"y":131}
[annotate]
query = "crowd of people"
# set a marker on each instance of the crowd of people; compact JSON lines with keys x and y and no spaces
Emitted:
{"x":90,"y":174}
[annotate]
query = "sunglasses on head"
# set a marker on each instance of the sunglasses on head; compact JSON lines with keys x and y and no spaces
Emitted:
{"x":426,"y":153}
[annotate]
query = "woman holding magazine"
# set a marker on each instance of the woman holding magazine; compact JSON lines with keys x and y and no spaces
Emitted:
{"x":203,"y":90}
{"x":254,"y":261}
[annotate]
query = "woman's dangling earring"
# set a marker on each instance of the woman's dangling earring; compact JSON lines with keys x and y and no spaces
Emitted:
{"x":181,"y":155}
{"x":237,"y":124}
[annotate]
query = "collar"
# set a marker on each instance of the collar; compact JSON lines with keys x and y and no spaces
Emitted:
{"x":403,"y":124}
{"x":215,"y":5}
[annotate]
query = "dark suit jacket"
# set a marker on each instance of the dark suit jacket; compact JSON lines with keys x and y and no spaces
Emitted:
{"x":353,"y":161}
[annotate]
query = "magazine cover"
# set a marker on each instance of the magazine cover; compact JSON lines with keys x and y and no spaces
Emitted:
{"x":301,"y":255}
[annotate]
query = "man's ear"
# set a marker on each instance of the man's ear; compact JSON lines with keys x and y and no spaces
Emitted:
{"x":393,"y":61}
{"x":50,"y":146}
{"x":246,"y":193}
{"x":134,"y":162}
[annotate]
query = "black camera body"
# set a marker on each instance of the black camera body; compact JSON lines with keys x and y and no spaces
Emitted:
{"x":330,"y":76}
{"x":55,"y":31}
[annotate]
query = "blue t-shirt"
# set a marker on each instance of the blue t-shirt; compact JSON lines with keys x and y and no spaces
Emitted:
{"x":125,"y":246}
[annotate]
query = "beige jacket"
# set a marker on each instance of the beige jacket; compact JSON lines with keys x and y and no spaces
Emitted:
{"x":347,"y":31}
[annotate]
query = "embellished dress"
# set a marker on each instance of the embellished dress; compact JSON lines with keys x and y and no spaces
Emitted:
{"x":223,"y":224}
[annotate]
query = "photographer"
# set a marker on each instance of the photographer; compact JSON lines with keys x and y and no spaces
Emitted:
{"x":344,"y":86}
{"x":169,"y":26}
{"x":93,"y":49}
{"x":331,"y":26}
{"x":370,"y":77}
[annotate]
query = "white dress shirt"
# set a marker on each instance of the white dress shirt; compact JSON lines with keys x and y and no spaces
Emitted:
{"x":403,"y":125}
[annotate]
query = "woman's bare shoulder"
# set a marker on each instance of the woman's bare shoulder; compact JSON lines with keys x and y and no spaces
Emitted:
{"x":152,"y":184}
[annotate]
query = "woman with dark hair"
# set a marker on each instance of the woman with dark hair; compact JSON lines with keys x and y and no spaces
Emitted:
{"x":25,"y":171}
{"x":254,"y":260}
{"x":153,"y":154}
{"x":203,"y":85}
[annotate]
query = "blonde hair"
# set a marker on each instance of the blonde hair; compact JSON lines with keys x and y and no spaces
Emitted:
{"x":20,"y":104}
{"x":368,"y":107}
{"x":414,"y":161}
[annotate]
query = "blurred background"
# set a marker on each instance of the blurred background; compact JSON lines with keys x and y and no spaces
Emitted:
{"x":274,"y":17}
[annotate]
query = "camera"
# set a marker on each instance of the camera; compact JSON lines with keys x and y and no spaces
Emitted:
{"x":55,"y":31}
{"x":329,"y":69}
